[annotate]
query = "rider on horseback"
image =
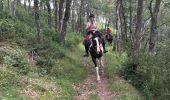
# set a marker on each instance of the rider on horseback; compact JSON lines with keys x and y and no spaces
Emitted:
{"x":92,"y":31}
{"x":109,"y":36}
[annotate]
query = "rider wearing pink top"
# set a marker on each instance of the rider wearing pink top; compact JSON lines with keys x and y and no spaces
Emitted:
{"x":92,"y":29}
{"x":91,"y":26}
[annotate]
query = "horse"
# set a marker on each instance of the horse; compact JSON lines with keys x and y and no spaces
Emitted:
{"x":109,"y":38}
{"x":96,"y":51}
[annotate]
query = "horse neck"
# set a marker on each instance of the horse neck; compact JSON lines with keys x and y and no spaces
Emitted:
{"x":96,"y":39}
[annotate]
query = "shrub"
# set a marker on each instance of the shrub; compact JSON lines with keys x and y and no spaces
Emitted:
{"x":6,"y":29}
{"x":152,"y":76}
{"x":21,"y":66}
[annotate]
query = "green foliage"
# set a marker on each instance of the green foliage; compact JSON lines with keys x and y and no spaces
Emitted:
{"x":6,"y":78}
{"x":73,"y":39}
{"x":114,"y":63}
{"x":6,"y":28}
{"x":151,"y":76}
{"x":8,"y":85}
{"x":18,"y":62}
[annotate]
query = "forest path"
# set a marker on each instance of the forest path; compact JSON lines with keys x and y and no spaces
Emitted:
{"x":90,"y":89}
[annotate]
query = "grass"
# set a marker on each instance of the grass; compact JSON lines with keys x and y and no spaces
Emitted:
{"x":114,"y":64}
{"x":56,"y":85}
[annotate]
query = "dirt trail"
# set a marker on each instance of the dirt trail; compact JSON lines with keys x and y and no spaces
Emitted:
{"x":91,"y":90}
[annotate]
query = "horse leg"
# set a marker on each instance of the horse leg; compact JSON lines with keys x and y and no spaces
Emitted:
{"x":97,"y":68}
{"x":97,"y":72}
{"x":101,"y":64}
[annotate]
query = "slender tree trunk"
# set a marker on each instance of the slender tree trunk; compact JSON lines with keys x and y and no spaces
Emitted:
{"x":121,"y":26}
{"x":88,"y":10}
{"x":65,"y":21}
{"x":29,"y":4}
{"x":118,"y":37}
{"x":153,"y":33}
{"x":136,"y":37}
{"x":81,"y":17}
{"x":15,"y":6}
{"x":124,"y":21}
{"x":56,"y":15}
{"x":53,"y":1}
{"x":61,"y":4}
{"x":49,"y":14}
{"x":25,"y":4}
{"x":9,"y":7}
{"x":3,"y":6}
{"x":73,"y":16}
{"x":37,"y":21}
{"x":79,"y":24}
{"x":131,"y":20}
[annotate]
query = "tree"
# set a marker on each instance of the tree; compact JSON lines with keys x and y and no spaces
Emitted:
{"x":2,"y":6}
{"x":137,"y":33}
{"x":15,"y":6}
{"x":49,"y":13}
{"x":74,"y":15}
{"x":118,"y":37}
{"x":29,"y":4}
{"x":153,"y":32}
{"x":9,"y":7}
{"x":56,"y":15}
{"x":65,"y":21}
{"x":25,"y":1}
{"x":61,"y":4}
{"x":81,"y":17}
{"x":37,"y":20}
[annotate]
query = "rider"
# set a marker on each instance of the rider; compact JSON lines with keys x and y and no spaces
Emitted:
{"x":109,"y":36}
{"x":92,"y":29}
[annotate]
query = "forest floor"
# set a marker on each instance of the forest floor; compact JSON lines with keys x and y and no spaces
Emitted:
{"x":90,"y":89}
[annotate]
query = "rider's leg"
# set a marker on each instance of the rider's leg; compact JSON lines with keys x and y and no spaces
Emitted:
{"x":87,"y":50}
{"x":103,"y":43}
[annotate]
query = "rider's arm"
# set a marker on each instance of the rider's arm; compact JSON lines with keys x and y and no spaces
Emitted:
{"x":87,"y":26}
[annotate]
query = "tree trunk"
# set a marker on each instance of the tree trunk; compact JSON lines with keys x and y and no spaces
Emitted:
{"x":118,"y":37}
{"x":124,"y":22}
{"x":49,"y":14}
{"x":53,"y":1}
{"x":15,"y":6}
{"x":81,"y":17}
{"x":131,"y":20}
{"x":79,"y":23}
{"x":65,"y":21}
{"x":56,"y":15}
{"x":25,"y":4}
{"x":61,"y":4}
{"x":29,"y":4}
{"x":153,"y":33}
{"x":73,"y":16}
{"x":9,"y":7}
{"x":136,"y":37}
{"x":37,"y":21}
{"x":3,"y":6}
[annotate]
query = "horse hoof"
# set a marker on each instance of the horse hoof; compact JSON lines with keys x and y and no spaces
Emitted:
{"x":98,"y":81}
